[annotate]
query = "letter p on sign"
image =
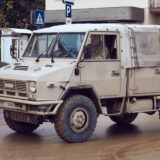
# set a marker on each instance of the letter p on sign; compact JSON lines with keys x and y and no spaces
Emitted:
{"x":68,"y":11}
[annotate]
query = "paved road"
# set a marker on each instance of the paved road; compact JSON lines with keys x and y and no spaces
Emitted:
{"x":139,"y":141}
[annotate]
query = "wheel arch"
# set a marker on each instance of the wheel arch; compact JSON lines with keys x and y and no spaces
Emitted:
{"x":87,"y":91}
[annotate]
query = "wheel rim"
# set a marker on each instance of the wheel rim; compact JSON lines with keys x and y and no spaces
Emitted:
{"x":79,"y":119}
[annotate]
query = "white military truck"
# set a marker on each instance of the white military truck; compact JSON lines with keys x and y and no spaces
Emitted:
{"x":58,"y":80}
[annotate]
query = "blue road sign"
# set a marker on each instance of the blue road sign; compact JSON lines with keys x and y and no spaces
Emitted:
{"x":68,"y":2}
{"x":68,"y":11}
{"x":39,"y":18}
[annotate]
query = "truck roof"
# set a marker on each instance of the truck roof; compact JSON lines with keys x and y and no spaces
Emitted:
{"x":6,"y":31}
{"x":91,"y":27}
{"x":143,"y":36}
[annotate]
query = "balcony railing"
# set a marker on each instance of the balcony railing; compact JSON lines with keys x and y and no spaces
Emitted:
{"x":155,"y":5}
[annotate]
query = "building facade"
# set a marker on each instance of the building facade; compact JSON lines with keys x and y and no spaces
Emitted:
{"x":124,"y":11}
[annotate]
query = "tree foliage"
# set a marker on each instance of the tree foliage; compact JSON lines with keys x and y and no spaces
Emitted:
{"x":16,"y":13}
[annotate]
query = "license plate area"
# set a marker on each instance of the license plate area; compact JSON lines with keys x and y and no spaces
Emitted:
{"x":9,"y":104}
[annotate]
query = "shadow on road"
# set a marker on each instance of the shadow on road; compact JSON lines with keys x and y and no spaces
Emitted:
{"x":112,"y":131}
{"x":122,"y":130}
{"x":23,"y":138}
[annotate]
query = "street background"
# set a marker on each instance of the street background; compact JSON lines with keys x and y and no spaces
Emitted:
{"x":138,"y":141}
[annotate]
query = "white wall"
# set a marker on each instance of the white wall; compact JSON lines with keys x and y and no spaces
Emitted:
{"x":6,"y":42}
{"x":79,"y":4}
{"x":57,"y":4}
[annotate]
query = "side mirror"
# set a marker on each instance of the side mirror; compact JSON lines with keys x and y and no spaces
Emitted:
{"x":85,"y":56}
{"x":12,"y":53}
{"x":76,"y":71}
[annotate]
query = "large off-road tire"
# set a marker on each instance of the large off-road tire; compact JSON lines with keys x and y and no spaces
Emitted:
{"x":76,"y":119}
{"x":20,"y":127}
{"x":124,"y":119}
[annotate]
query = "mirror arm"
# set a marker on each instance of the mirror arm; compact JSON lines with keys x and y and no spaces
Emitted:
{"x":85,"y":57}
{"x":76,"y":72}
{"x":12,"y":53}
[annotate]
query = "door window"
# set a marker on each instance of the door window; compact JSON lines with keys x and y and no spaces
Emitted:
{"x":101,"y":47}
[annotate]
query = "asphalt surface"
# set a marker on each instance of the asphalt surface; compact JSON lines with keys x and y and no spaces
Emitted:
{"x":138,"y":141}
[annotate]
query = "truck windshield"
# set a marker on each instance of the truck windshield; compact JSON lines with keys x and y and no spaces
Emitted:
{"x":63,"y":45}
{"x":39,"y":44}
{"x":68,"y":45}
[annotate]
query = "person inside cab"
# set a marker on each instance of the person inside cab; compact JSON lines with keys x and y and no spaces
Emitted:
{"x":96,"y":49}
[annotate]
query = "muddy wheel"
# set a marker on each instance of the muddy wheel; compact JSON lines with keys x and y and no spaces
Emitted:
{"x":20,"y":127}
{"x":124,"y":119}
{"x":76,"y":119}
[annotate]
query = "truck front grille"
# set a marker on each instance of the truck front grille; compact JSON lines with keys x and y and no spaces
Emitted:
{"x":13,"y":88}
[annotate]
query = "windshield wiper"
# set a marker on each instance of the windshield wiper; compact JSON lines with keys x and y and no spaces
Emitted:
{"x":46,"y":50}
{"x":52,"y":54}
{"x":37,"y":60}
{"x":52,"y":59}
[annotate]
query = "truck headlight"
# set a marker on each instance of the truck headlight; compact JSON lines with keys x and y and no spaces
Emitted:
{"x":32,"y":87}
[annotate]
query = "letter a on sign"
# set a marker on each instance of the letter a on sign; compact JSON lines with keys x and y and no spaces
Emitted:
{"x":39,"y":18}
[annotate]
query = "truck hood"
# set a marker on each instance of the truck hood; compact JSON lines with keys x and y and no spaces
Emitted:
{"x":33,"y":71}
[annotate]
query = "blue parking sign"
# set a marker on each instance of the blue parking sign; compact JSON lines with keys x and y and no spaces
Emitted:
{"x":68,"y":11}
{"x":39,"y":18}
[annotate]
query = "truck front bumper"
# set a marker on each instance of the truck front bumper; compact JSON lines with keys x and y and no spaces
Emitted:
{"x":19,"y":105}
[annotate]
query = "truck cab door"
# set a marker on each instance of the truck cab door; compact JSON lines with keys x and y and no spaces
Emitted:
{"x":101,"y":68}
